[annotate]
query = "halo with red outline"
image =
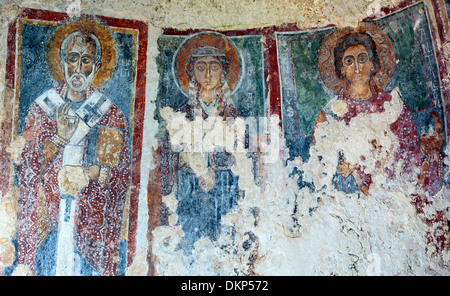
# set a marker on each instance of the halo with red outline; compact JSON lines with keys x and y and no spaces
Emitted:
{"x":384,"y":49}
{"x":108,"y":60}
{"x":217,"y":40}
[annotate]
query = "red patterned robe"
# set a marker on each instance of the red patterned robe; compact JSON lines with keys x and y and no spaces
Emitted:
{"x":99,"y":211}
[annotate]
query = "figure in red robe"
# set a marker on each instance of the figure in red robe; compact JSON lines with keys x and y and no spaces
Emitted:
{"x":356,"y":62}
{"x":74,"y":173}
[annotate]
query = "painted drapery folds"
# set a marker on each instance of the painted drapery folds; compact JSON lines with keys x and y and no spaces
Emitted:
{"x":75,"y":91}
{"x":377,"y":87}
{"x":208,"y":85}
{"x":271,"y":151}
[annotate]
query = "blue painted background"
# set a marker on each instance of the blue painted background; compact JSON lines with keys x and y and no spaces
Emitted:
{"x":35,"y":78}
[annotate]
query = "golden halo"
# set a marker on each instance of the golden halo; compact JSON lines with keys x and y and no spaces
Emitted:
{"x":217,"y":40}
{"x":108,"y":60}
{"x":385,"y":53}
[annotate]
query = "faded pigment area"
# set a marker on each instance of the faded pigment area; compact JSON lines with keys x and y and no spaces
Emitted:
{"x":279,"y":166}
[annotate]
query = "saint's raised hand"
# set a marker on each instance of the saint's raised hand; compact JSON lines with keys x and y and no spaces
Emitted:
{"x":65,"y":124}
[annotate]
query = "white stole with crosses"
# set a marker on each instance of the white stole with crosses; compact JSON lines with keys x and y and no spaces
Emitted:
{"x":89,"y":113}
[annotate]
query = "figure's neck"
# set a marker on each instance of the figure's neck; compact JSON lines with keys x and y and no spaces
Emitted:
{"x":359,"y":92}
{"x":75,"y":96}
{"x":207,"y":96}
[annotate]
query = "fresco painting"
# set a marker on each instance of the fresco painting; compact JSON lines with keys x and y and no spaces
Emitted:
{"x":260,"y":142}
{"x":213,"y":76}
{"x":403,"y":59}
{"x":376,"y":81}
{"x":75,"y":95}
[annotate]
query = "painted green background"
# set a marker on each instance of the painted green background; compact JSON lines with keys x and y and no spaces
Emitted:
{"x":416,"y":71}
{"x":248,"y":98}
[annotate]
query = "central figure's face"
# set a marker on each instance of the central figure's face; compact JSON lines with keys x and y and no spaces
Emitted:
{"x":356,"y":66}
{"x":207,"y":72}
{"x":79,"y":67}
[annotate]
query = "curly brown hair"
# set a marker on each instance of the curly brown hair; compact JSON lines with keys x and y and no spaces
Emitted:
{"x":354,"y":39}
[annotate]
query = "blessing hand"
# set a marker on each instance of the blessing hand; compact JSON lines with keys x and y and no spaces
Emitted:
{"x":65,"y":124}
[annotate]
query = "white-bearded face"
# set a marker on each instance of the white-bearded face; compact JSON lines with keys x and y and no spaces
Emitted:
{"x":79,"y":65}
{"x":78,"y":82}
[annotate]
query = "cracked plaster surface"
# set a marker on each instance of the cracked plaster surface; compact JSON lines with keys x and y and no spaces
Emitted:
{"x":277,"y":228}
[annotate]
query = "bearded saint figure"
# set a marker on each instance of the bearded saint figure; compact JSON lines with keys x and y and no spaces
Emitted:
{"x":74,"y":173}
